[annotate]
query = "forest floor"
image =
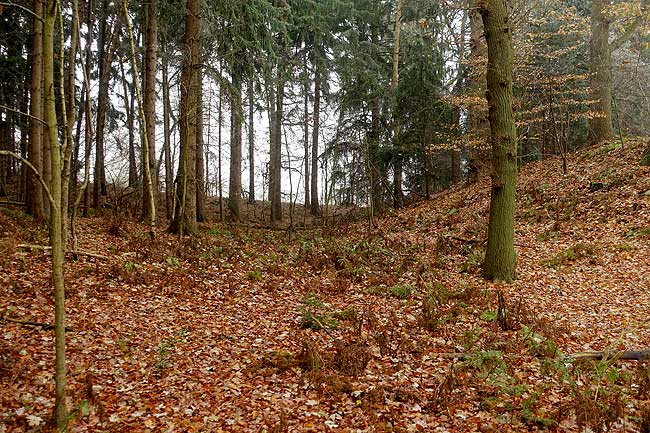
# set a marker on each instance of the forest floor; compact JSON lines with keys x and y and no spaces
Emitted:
{"x":348,"y":328}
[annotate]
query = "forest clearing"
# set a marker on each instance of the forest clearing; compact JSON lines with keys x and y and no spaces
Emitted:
{"x":348,"y":328}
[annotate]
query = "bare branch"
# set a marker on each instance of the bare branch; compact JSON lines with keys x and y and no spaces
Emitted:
{"x":36,"y":173}
{"x":23,"y":8}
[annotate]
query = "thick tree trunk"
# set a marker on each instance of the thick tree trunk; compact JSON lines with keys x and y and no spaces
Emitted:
{"x":375,"y":163}
{"x":149,"y":202}
{"x":34,"y":197}
{"x":169,"y":170}
{"x":56,"y":235}
{"x":236,"y":117}
{"x":184,"y":221}
{"x":500,"y":254}
{"x":601,"y":73}
{"x":275,"y":156}
{"x":251,"y":142}
{"x":200,"y":160}
{"x":315,"y":132}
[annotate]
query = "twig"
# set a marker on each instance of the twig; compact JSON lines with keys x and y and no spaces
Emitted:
{"x":48,"y":248}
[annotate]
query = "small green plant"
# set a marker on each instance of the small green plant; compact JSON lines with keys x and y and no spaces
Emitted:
{"x":165,"y":347}
{"x":489,"y":315}
{"x":638,"y":233}
{"x":313,"y":314}
{"x":473,"y":262}
{"x":349,"y":314}
{"x":254,"y":275}
{"x":172,"y":262}
{"x":130,"y":266}
{"x":401,"y":291}
{"x":579,"y":251}
{"x":548,"y":234}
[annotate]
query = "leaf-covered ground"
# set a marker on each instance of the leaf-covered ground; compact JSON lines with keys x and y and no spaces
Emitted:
{"x":349,"y":328}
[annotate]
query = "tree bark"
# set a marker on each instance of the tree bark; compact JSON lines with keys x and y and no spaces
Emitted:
{"x":169,"y":173}
{"x":397,"y":150}
{"x":251,"y":142}
{"x":129,"y":107}
{"x":56,"y":235}
{"x":236,"y":117}
{"x":315,"y":131}
{"x":184,"y":221}
{"x":105,"y":58}
{"x":200,"y":160}
{"x":149,"y":202}
{"x":275,"y":175}
{"x":601,"y":74}
{"x":306,"y":142}
{"x":34,"y":193}
{"x":500,"y":254}
{"x":645,"y":158}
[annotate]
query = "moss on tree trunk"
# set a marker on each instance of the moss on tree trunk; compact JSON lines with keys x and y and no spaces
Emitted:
{"x":500,"y":254}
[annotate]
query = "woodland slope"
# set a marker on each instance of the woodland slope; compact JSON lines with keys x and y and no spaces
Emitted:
{"x":348,"y":328}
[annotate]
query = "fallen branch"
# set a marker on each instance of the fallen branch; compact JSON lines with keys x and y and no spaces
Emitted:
{"x":11,"y":203}
{"x":628,"y":355}
{"x":48,"y":248}
{"x":45,"y":326}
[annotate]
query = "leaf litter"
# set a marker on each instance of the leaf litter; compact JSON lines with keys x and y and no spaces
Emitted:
{"x":209,"y":333}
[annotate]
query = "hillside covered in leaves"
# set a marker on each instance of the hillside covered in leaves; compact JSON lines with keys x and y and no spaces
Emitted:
{"x":358,"y":327}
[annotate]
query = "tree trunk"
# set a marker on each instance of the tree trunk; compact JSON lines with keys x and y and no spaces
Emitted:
{"x":88,"y":137}
{"x":500,"y":254}
{"x":397,"y":150}
{"x":56,"y":235}
{"x":219,"y":144}
{"x":70,"y":112}
{"x":129,"y":107}
{"x":601,"y":73}
{"x":374,"y":161}
{"x":306,"y":142}
{"x":149,"y":202}
{"x":34,"y":196}
{"x":236,"y":115}
{"x":275,"y":176}
{"x":200,"y":160}
{"x":251,"y":142}
{"x":105,"y":60}
{"x":169,"y":174}
{"x":184,"y":221}
{"x":315,"y":132}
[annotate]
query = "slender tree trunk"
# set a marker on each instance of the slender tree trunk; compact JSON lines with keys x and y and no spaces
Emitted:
{"x":88,"y":136}
{"x":34,"y":197}
{"x":105,"y":60}
{"x":306,"y":142}
{"x":374,"y":161}
{"x":275,"y":178}
{"x":315,"y":132}
{"x":129,"y":107}
{"x":184,"y":221}
{"x":397,"y":151}
{"x":71,"y":112}
{"x":500,"y":254}
{"x":169,"y":173}
{"x":251,"y":142}
{"x":149,"y":202}
{"x":200,"y":161}
{"x":56,"y":235}
{"x":219,"y":144}
{"x":236,"y":117}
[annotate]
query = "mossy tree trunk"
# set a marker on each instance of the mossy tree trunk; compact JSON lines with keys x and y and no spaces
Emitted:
{"x":184,"y":221}
{"x":500,"y":254}
{"x":150,"y":171}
